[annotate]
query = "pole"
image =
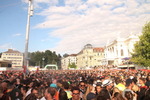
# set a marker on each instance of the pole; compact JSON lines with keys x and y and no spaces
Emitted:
{"x":26,"y":62}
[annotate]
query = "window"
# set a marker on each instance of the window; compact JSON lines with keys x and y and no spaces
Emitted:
{"x":122,"y":52}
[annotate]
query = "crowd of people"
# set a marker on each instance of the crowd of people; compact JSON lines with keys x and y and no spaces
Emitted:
{"x":75,"y":85}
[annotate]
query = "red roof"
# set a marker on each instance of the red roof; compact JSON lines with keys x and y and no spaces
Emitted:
{"x":11,"y":51}
{"x":73,"y":55}
{"x":98,"y":49}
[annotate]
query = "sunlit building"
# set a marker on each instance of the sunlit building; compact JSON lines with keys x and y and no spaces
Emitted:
{"x":119,"y":49}
{"x":70,"y":59}
{"x":14,"y":56}
{"x":90,"y":57}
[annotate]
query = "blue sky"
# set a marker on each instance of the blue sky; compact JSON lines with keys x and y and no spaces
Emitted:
{"x":65,"y":26}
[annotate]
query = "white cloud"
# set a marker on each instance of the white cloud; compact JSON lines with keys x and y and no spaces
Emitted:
{"x":6,"y":46}
{"x":95,"y":21}
{"x":37,"y":3}
{"x":18,"y":34}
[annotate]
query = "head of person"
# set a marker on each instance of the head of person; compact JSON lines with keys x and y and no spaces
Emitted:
{"x":50,"y":92}
{"x":108,"y":84}
{"x":62,"y":95}
{"x":75,"y":93}
{"x":66,"y":85}
{"x":35,"y":92}
{"x":31,"y":96}
{"x":117,"y":96}
{"x":129,"y":83}
{"x":24,"y":89}
{"x":82,"y":85}
{"x":98,"y":89}
{"x":142,"y":81}
{"x":129,"y":95}
{"x":99,"y":97}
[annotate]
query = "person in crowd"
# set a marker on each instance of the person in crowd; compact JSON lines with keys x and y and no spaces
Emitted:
{"x":88,"y":90}
{"x":75,"y":94}
{"x":41,"y":91}
{"x":120,"y":87}
{"x":13,"y":92}
{"x":50,"y":92}
{"x":82,"y":88}
{"x":129,"y":85}
{"x":108,"y":85}
{"x":103,"y":95}
{"x":92,"y":94}
{"x":35,"y":92}
{"x":129,"y":95}
{"x":30,"y":86}
{"x":67,"y":89}
{"x":3,"y":96}
{"x":98,"y":87}
{"x":24,"y":90}
{"x":31,"y":96}
{"x":118,"y":96}
{"x":142,"y":88}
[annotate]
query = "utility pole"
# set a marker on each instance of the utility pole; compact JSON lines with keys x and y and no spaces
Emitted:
{"x":30,"y":13}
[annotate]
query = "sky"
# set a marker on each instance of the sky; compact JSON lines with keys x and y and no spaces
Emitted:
{"x":66,"y":26}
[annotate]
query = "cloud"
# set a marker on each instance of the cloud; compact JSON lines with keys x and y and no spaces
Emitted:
{"x":79,"y":22}
{"x":18,"y":34}
{"x":37,"y":3}
{"x":6,"y":46}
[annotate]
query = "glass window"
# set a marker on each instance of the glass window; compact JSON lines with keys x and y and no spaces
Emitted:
{"x":122,"y":52}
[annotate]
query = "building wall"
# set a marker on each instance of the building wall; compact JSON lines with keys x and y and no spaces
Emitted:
{"x":14,"y":56}
{"x":90,"y":57}
{"x":68,"y":60}
{"x":119,"y":49}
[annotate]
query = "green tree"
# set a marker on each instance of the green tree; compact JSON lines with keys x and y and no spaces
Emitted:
{"x":141,"y":55}
{"x":0,"y":55}
{"x":42,"y":58}
{"x":72,"y":65}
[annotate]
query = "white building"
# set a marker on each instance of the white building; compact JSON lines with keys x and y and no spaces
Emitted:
{"x":14,"y":56}
{"x":119,"y":49}
{"x":70,"y":59}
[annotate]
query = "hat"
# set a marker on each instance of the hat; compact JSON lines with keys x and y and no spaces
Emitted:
{"x":53,"y":85}
{"x":106,"y":82}
{"x":128,"y":82}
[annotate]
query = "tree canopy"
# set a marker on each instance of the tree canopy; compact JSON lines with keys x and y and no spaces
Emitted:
{"x":72,"y":65}
{"x":141,"y":55}
{"x":42,"y":58}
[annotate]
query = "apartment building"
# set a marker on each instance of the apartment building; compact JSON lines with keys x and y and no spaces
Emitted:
{"x":14,"y":56}
{"x":90,"y":56}
{"x":70,"y":59}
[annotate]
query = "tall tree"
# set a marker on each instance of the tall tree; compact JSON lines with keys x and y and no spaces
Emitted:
{"x":141,"y":55}
{"x":0,"y":55}
{"x":42,"y":58}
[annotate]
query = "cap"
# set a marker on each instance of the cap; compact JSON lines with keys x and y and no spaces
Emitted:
{"x":53,"y":85}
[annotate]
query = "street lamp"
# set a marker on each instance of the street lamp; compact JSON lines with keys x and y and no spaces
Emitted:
{"x":43,"y":61}
{"x":30,"y":13}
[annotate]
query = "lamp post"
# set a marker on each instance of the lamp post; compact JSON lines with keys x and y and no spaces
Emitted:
{"x":43,"y":61}
{"x":30,"y":13}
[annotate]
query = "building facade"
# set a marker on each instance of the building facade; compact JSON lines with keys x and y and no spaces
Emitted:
{"x":119,"y":49}
{"x":14,"y":56}
{"x":70,"y":59}
{"x":90,"y":57}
